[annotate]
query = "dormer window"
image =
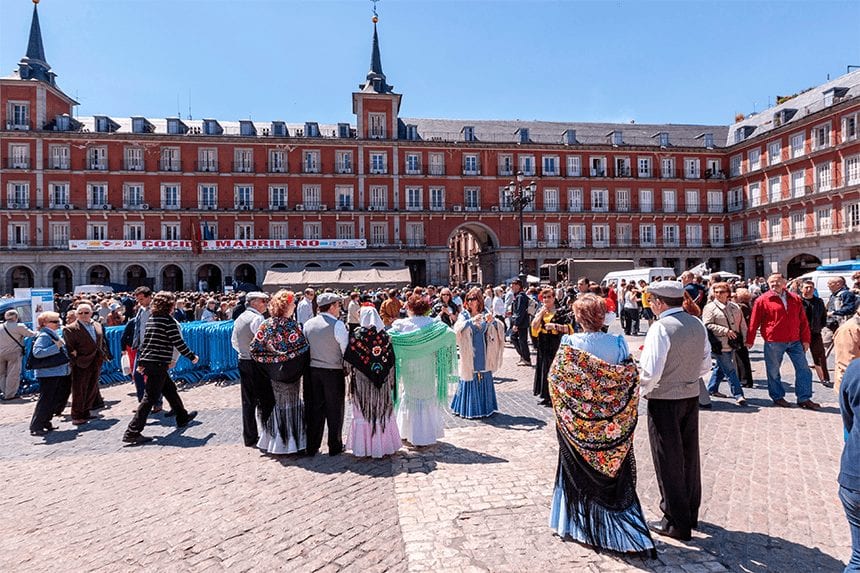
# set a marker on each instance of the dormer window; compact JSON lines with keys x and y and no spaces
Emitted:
{"x":834,"y":95}
{"x":570,"y":137}
{"x":523,"y":135}
{"x":279,"y":129}
{"x":412,"y":132}
{"x":212,"y":127}
{"x":105,"y":124}
{"x":64,"y":122}
{"x":743,"y":132}
{"x":664,"y":139}
{"x":617,"y":137}
{"x":343,"y":130}
{"x":312,"y":129}
{"x":175,"y":126}
{"x":246,"y":128}
{"x":468,"y":133}
{"x":141,"y":125}
{"x":709,"y":140}
{"x":783,"y":116}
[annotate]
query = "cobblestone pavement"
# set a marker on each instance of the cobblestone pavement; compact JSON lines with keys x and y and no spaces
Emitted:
{"x":195,"y":499}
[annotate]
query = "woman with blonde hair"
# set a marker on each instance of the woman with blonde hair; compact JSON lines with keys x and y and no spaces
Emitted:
{"x":548,"y":326}
{"x":283,"y":351}
{"x":593,"y":383}
{"x":50,"y":363}
{"x":481,"y":339}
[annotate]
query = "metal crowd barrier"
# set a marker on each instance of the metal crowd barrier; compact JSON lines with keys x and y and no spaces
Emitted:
{"x":209,"y":340}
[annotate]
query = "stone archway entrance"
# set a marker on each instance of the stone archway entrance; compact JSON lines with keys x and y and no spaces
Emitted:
{"x":471,"y":255}
{"x":98,"y":275}
{"x":61,"y":279}
{"x":245,"y":273}
{"x":208,"y":278}
{"x":20,"y":277}
{"x":171,"y":278}
{"x":802,"y":264}
{"x":135,"y":276}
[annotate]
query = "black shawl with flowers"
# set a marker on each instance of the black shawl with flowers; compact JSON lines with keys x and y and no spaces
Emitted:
{"x":371,"y":353}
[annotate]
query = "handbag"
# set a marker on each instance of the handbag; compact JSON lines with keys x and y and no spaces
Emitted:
{"x":51,"y":361}
{"x":737,"y":342}
{"x":716,"y":345}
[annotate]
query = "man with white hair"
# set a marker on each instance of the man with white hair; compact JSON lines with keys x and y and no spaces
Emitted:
{"x":87,"y":348}
{"x":11,"y":350}
{"x":842,"y":302}
{"x":256,"y":388}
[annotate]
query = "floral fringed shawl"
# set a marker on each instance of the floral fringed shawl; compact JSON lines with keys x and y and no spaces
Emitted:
{"x":372,"y":382}
{"x":595,"y":405}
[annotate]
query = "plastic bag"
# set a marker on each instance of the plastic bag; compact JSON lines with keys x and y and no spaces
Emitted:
{"x":126,"y":364}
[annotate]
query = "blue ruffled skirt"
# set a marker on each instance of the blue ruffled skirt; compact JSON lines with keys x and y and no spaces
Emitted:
{"x":475,"y":398}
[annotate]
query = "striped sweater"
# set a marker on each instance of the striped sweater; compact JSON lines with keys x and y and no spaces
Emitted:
{"x":162,"y":335}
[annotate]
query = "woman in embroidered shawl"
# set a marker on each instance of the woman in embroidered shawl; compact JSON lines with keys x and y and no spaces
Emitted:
{"x":593,"y":384}
{"x":481,"y":339}
{"x":549,"y":324}
{"x":280,"y":341}
{"x":373,"y":431}
{"x":425,"y":353}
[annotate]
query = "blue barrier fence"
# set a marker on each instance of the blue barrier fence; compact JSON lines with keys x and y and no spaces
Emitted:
{"x":209,"y":340}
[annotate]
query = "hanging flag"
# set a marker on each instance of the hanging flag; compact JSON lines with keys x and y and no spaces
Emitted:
{"x":196,"y":244}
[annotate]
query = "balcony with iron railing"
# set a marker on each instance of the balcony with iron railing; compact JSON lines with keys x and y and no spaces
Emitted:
{"x":277,"y":167}
{"x":17,"y":163}
{"x":343,"y":168}
{"x":96,"y":165}
{"x":58,"y":164}
{"x":132,"y":165}
{"x":207,"y":166}
{"x":243,"y":167}
{"x":169,"y":165}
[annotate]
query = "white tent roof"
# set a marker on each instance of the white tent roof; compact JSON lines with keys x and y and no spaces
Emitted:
{"x":345,"y":279}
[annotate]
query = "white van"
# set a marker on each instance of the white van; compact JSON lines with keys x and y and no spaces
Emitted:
{"x":647,"y":274}
{"x":820,"y":279}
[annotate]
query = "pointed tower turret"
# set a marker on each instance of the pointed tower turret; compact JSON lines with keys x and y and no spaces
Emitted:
{"x":33,"y":65}
{"x":375,"y":77}
{"x":376,"y":104}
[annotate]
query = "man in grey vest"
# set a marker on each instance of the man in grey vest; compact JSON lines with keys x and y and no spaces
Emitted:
{"x":254,"y":381}
{"x":326,"y":390}
{"x":675,"y":357}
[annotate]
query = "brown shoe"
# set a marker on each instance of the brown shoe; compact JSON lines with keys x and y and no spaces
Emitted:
{"x":809,"y":405}
{"x":80,"y":422}
{"x":782,"y":403}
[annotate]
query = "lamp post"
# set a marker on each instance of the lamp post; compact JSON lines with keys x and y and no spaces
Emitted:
{"x":521,"y":195}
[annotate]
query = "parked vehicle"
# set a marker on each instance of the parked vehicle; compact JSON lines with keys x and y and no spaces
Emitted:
{"x":647,"y":274}
{"x":22,"y":305}
{"x":93,"y":289}
{"x":820,"y":279}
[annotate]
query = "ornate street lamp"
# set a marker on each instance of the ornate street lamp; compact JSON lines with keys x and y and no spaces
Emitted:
{"x":519,"y":196}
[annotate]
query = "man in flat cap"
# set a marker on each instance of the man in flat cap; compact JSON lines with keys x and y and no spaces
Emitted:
{"x":675,"y":357}
{"x":255,"y":384}
{"x":324,"y":394}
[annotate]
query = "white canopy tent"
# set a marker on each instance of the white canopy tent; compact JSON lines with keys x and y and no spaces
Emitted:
{"x":345,"y":279}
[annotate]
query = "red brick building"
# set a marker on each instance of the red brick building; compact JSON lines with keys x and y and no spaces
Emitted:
{"x":100,"y":199}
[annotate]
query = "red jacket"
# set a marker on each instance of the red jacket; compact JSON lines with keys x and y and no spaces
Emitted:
{"x":778,"y":323}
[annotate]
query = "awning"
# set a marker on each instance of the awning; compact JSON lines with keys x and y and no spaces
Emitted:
{"x":345,"y":279}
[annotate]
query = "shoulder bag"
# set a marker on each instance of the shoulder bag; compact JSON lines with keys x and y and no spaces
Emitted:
{"x":51,"y":361}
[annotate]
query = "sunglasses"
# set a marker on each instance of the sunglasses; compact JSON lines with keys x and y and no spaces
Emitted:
{"x":720,"y":291}
{"x":84,"y":312}
{"x":54,"y":321}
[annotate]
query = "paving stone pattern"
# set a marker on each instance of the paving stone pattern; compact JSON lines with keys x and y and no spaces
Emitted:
{"x":196,"y":500}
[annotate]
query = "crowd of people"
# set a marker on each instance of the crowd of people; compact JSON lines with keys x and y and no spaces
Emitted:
{"x":395,"y":357}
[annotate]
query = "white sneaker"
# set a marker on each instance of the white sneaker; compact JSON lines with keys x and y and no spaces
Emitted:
{"x":741,"y":401}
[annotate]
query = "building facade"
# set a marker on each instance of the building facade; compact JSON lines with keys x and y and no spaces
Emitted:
{"x":104,"y":200}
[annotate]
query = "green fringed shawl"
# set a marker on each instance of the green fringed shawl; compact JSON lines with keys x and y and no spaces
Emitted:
{"x":437,"y":339}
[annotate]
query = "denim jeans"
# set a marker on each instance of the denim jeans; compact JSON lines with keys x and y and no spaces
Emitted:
{"x":725,"y":367}
{"x":773,"y":354}
{"x":851,"y":503}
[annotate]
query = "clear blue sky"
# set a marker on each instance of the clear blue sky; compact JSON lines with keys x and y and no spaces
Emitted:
{"x":653,"y":62}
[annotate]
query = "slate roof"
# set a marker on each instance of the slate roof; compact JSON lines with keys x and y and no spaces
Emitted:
{"x":546,"y":132}
{"x":805,"y":104}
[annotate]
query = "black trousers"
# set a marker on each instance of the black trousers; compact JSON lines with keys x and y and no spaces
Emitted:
{"x":673,"y":430}
{"x":256,"y":393}
{"x":520,"y":340}
{"x":64,"y":390}
{"x":157,"y":383}
{"x":324,"y":404}
{"x":742,"y":361}
{"x":47,"y":404}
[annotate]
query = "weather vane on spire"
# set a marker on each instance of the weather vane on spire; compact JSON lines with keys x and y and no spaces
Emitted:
{"x":375,"y":15}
